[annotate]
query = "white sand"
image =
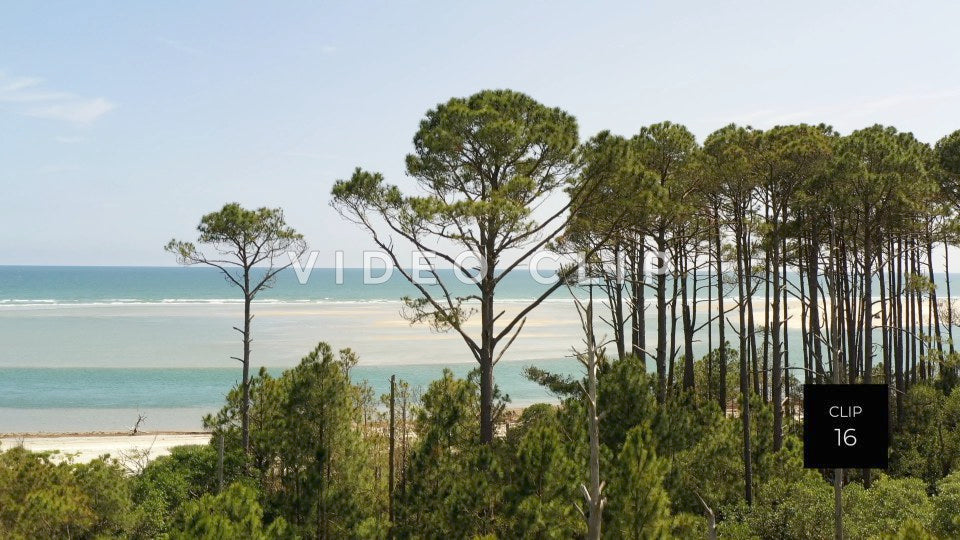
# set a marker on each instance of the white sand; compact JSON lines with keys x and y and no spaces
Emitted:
{"x":132,"y":450}
{"x":201,"y":335}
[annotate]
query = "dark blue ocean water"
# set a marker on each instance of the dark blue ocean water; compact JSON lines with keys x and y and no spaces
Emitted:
{"x":122,"y":284}
{"x":86,"y":284}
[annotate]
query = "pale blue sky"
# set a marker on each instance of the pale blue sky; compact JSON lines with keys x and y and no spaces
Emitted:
{"x":121,"y":123}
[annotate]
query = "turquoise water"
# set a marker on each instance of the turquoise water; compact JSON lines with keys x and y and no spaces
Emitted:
{"x":38,"y":388}
{"x":89,"y":348}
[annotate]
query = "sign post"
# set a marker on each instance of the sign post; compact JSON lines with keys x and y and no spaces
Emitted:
{"x":844,"y":427}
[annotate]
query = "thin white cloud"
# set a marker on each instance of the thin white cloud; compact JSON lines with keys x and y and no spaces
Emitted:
{"x":56,"y":169}
{"x":328,"y":49}
{"x":180,"y":46}
{"x":312,"y":155}
{"x":854,"y":112}
{"x":69,"y":139}
{"x":30,"y":97}
{"x":78,"y":111}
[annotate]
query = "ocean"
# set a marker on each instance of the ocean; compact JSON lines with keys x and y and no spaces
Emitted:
{"x":91,"y":348}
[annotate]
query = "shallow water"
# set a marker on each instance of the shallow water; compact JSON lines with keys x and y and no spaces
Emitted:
{"x":88,"y":348}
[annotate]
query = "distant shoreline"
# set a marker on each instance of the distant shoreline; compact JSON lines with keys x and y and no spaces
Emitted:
{"x":55,"y":434}
{"x":132,"y":451}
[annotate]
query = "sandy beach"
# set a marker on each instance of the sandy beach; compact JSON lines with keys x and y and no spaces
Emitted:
{"x":84,"y":447}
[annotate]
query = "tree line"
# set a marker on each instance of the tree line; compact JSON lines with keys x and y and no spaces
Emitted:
{"x":842,"y":227}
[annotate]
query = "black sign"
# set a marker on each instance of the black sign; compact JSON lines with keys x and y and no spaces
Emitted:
{"x":845,"y":426}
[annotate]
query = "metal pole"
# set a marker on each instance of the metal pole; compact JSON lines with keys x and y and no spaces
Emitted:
{"x":837,"y":474}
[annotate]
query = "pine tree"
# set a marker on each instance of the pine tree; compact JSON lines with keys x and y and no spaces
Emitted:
{"x":544,"y":476}
{"x":639,"y":506}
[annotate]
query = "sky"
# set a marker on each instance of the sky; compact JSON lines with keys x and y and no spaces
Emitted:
{"x":121,"y":123}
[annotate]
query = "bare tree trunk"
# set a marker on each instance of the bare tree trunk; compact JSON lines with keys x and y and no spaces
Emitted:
{"x":721,"y":316}
{"x":868,"y":310}
{"x":633,"y":294}
{"x":751,"y":325}
{"x":934,"y":317}
{"x":946,"y":271}
{"x":884,"y":325}
{"x":768,"y":259}
{"x":711,"y":519}
{"x":813,"y":282}
{"x":774,"y":333}
{"x":688,"y":377}
{"x":245,"y":406}
{"x":837,"y":475}
{"x":486,"y":396}
{"x":393,"y":450}
{"x":403,"y":438}
{"x":898,"y":305}
{"x":619,"y":322}
{"x":673,"y":326}
{"x":783,"y":303}
{"x":805,"y":333}
{"x":487,"y":343}
{"x":922,"y":355}
{"x":640,"y":304}
{"x":661,"y":319}
{"x":916,"y":347}
{"x":836,"y":369}
{"x":867,"y":323}
{"x":595,"y":501}
{"x":744,"y":379}
{"x":619,"y":329}
{"x":710,"y":348}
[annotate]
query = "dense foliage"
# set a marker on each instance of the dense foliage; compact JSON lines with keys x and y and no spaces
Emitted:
{"x":320,"y":460}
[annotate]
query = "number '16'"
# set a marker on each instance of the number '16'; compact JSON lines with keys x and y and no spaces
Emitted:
{"x":846,"y":438}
